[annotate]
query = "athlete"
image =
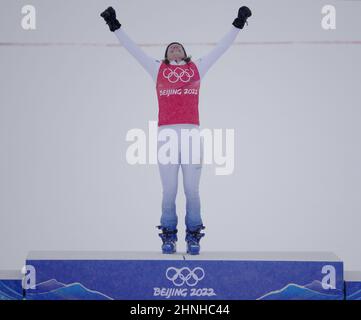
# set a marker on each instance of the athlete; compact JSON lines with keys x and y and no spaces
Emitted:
{"x":177,"y":80}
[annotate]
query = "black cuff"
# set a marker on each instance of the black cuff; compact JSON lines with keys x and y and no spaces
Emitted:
{"x":114,"y":25}
{"x":239,"y":23}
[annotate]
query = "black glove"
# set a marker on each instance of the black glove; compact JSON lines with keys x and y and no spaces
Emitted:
{"x":243,"y":14}
{"x":110,"y":18}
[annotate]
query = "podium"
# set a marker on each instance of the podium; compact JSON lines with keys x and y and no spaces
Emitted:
{"x":353,"y":285}
{"x":99,"y":275}
{"x":10,"y":285}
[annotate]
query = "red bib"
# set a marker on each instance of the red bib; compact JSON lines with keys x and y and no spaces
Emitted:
{"x":177,"y":90}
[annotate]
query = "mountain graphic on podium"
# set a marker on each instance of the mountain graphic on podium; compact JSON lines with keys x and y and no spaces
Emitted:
{"x":355,"y":296}
{"x":9,"y":291}
{"x":311,"y":291}
{"x":55,"y":290}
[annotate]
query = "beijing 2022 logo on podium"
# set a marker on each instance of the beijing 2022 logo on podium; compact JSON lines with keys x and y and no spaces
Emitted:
{"x":184,"y":276}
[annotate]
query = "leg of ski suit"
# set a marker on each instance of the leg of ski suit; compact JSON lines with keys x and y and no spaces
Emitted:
{"x":191,"y":177}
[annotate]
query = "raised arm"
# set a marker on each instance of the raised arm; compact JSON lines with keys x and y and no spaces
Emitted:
{"x":149,"y":64}
{"x":206,"y":62}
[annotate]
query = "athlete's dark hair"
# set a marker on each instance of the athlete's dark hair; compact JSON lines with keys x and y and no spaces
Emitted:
{"x":186,"y":59}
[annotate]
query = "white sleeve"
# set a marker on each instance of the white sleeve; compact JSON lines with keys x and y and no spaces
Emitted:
{"x":149,"y":64}
{"x":204,"y":63}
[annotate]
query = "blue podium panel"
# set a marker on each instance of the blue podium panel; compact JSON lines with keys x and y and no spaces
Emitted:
{"x":273,"y":275}
{"x":353,"y":285}
{"x":11,"y":285}
{"x":210,"y":275}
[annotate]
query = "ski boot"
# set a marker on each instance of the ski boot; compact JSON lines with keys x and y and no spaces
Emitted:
{"x":192,"y":238}
{"x":169,"y":238}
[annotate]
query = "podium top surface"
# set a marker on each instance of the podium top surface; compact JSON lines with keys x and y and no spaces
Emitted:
{"x":352,"y":276}
{"x":266,"y":256}
{"x":10,"y":275}
{"x":205,"y":255}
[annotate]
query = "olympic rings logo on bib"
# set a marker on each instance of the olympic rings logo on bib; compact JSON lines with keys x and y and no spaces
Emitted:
{"x":185,"y":275}
{"x":178,"y":74}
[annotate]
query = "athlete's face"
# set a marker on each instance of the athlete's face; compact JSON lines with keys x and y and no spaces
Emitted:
{"x":175,"y":52}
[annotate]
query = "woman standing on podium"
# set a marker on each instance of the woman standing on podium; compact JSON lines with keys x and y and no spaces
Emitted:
{"x":177,"y":80}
